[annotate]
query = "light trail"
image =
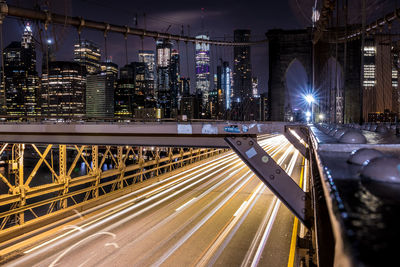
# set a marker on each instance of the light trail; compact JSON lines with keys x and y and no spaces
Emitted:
{"x":202,"y":222}
{"x":184,"y":205}
{"x":236,"y":217}
{"x":123,"y":206}
{"x":151,"y":193}
{"x":230,"y":228}
{"x":271,"y":220}
{"x":209,"y":215}
{"x":161,"y":244}
{"x":292,"y":251}
{"x":178,"y":184}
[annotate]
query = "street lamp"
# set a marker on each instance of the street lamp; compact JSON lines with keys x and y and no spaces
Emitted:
{"x":310,"y":99}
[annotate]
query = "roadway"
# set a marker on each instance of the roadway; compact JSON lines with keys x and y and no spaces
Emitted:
{"x":217,"y":213}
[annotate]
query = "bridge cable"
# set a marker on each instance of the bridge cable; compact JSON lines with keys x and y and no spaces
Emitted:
{"x":2,"y":65}
{"x":344,"y":63}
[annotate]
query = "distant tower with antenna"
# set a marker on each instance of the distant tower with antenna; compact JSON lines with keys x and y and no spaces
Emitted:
{"x":203,"y":64}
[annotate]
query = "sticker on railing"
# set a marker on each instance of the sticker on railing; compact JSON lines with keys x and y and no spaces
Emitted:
{"x":232,"y":129}
{"x":209,"y":129}
{"x":184,"y":129}
{"x":251,"y":153}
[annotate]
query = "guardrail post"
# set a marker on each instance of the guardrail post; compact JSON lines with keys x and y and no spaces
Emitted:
{"x":170,"y":158}
{"x":141,"y":161}
{"x":95,"y":170}
{"x":157,"y":161}
{"x":17,"y":167}
{"x":181,"y":156}
{"x":63,"y":173}
{"x":121,"y":166}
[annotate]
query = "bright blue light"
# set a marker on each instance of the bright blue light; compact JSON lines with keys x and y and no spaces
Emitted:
{"x":309,"y":98}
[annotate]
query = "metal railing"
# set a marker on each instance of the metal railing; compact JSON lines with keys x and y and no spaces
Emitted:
{"x":43,"y":179}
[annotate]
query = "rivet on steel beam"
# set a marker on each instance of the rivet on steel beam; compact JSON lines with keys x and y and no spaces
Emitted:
{"x":278,"y":171}
{"x":251,"y":143}
{"x":303,"y":210}
{"x":272,"y":177}
{"x":238,"y":143}
{"x":303,"y":198}
{"x":264,"y":159}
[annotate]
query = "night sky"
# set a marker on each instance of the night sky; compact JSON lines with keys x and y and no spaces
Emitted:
{"x":221,"y":17}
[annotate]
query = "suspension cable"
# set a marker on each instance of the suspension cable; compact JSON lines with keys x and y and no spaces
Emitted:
{"x":2,"y":66}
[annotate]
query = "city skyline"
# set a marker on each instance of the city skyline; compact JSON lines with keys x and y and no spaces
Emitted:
{"x":217,"y":17}
{"x":152,"y":87}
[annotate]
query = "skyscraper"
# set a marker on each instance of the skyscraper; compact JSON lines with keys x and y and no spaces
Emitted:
{"x":224,"y":82}
{"x":100,"y":95}
{"x":109,"y":68}
{"x":163,"y":76}
{"x":88,"y":54}
{"x":123,"y":97}
{"x":254,"y":82}
{"x":175,"y":78}
{"x":380,"y":93}
{"x":149,"y":58}
{"x":242,"y":67}
{"x":21,"y":78}
{"x":63,"y":91}
{"x":184,"y":86}
{"x":203,"y":67}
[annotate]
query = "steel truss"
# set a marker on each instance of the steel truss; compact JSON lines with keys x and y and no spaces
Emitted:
{"x":29,"y":195}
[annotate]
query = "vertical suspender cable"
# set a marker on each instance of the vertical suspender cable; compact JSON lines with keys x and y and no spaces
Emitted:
{"x":336,"y":62}
{"x":126,"y":49}
{"x":2,"y":66}
{"x":344,"y":62}
{"x":361,"y":93}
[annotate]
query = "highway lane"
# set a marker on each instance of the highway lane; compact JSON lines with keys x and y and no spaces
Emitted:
{"x":218,"y":213}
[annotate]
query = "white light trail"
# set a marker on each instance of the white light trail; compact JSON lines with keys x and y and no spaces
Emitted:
{"x":184,"y":205}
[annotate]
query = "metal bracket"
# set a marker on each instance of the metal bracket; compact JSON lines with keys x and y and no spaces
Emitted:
{"x":295,"y":141}
{"x":272,"y":175}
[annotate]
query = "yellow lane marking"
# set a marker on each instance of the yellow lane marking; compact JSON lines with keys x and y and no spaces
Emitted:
{"x":295,"y":226}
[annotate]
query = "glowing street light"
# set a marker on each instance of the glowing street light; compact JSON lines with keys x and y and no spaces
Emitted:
{"x":309,"y":98}
{"x":321,"y":116}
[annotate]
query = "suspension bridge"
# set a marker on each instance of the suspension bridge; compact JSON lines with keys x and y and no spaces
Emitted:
{"x":130,"y":191}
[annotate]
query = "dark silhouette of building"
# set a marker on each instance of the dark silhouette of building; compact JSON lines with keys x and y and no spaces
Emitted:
{"x":100,"y":95}
{"x":21,"y":78}
{"x":164,"y":48}
{"x":242,"y":67}
{"x":175,"y":80}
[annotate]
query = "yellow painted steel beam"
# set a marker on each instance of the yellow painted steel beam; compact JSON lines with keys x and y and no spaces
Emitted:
{"x":38,"y":164}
